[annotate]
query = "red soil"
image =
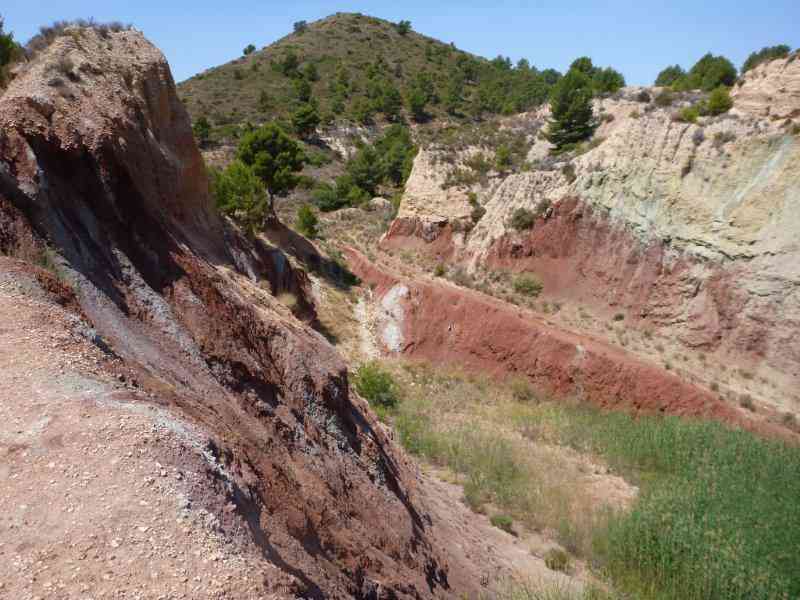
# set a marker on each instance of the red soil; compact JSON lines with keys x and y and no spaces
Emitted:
{"x":446,"y":324}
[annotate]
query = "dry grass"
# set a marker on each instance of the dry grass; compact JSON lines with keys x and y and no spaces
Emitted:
{"x":482,"y":432}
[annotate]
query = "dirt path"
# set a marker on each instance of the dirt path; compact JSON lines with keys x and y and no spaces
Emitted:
{"x":101,"y":495}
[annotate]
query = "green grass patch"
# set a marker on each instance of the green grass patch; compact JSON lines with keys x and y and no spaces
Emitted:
{"x":718,"y":514}
{"x":716,"y":517}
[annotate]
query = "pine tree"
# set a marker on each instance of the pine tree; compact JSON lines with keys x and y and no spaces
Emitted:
{"x":571,"y":107}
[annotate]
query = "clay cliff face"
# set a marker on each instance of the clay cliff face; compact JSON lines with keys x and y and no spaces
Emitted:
{"x":97,"y":160}
{"x":689,"y":229}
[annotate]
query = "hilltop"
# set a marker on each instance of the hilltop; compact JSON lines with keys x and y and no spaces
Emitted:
{"x":360,"y":68}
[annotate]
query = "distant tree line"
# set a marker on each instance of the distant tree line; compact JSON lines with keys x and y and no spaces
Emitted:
{"x":712,"y":71}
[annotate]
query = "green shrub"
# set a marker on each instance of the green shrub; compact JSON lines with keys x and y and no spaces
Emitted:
{"x":719,"y":101}
{"x":670,"y":75}
{"x":403,"y":27}
{"x":522,"y":219}
{"x":307,"y":221}
{"x":688,"y":114}
{"x":202,"y":131}
{"x":376,"y":385}
{"x":557,"y":560}
{"x":249,"y":49}
{"x":503,"y":159}
{"x":305,"y":119}
{"x":708,"y":73}
{"x":476,"y":214}
{"x":528,"y":285}
{"x":503,"y":522}
{"x":273,"y":156}
{"x":327,"y":199}
{"x":240,"y":194}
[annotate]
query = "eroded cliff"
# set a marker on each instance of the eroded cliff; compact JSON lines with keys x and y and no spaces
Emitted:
{"x":688,"y":229}
{"x":100,"y":180}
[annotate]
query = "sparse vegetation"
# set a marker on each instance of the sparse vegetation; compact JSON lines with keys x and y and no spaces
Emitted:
{"x":9,"y":52}
{"x":557,"y":560}
{"x":719,"y":101}
{"x":715,"y":514}
{"x":528,"y":285}
{"x":503,"y":522}
{"x":307,"y":222}
{"x":376,"y":385}
{"x":522,"y":219}
{"x":376,"y":73}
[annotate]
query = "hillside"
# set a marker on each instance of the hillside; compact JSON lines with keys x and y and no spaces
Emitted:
{"x":358,"y":68}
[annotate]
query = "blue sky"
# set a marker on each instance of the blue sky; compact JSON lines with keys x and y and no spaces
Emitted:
{"x":636,"y":37}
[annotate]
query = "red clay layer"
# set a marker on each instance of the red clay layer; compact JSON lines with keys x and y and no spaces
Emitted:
{"x":582,"y":256}
{"x":449,"y":325}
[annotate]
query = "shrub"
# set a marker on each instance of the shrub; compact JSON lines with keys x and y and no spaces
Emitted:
{"x":327,"y":199}
{"x":719,"y":101}
{"x":688,"y":114}
{"x":557,"y":560}
{"x":403,"y":27}
{"x":746,"y":401}
{"x":665,"y":98}
{"x":305,"y":119}
{"x":568,"y":171}
{"x":528,"y":285}
{"x":202,"y":130}
{"x":522,"y":219}
{"x":698,"y":137}
{"x":249,"y":49}
{"x":307,"y":221}
{"x":376,"y":385}
{"x":300,"y":27}
{"x":477,"y":213}
{"x":643,"y":96}
{"x":710,"y":72}
{"x":240,"y":194}
{"x":619,"y":317}
{"x":670,"y":75}
{"x":503,"y":159}
{"x":503,"y":522}
{"x":9,"y":52}
{"x":273,"y":156}
{"x":439,"y":271}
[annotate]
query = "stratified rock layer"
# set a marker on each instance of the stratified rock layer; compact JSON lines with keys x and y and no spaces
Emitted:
{"x":690,"y":230}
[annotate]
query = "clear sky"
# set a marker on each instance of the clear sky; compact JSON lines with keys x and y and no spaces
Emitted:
{"x":637,"y":37}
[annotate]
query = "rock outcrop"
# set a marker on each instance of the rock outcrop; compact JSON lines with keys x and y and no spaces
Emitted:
{"x":688,"y":229}
{"x":97,"y":162}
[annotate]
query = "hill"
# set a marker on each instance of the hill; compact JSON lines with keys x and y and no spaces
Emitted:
{"x":359,"y":68}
